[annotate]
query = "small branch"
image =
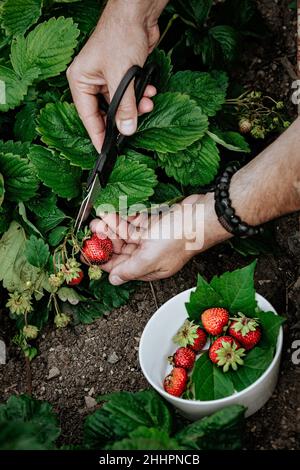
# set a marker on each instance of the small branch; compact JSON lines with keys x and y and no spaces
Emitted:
{"x":174,"y":17}
{"x":154,"y":295}
{"x":28,"y":376}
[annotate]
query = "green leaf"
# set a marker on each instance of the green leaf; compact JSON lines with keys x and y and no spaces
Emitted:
{"x":17,"y":148}
{"x":25,"y":123}
{"x":37,"y":252}
{"x":15,"y":271}
{"x":20,"y":436}
{"x":165,"y":193}
{"x":22,"y":409}
{"x":196,"y":165}
{"x":85,"y":14}
{"x":164,"y":68}
{"x":109,"y":295}
{"x":202,"y":88}
{"x":129,"y":179}
{"x":15,"y":88}
{"x":44,"y":207}
{"x":21,"y":182}
{"x":227,"y":39}
{"x":132,"y":155}
{"x":29,"y":225}
{"x":49,"y":47}
{"x":122,"y":413}
{"x":88,"y":311}
{"x":2,"y":189}
{"x":237,"y":290}
{"x":194,"y":11}
{"x":202,"y":298}
{"x":174,"y":124}
{"x":19,"y":15}
{"x":57,"y":234}
{"x":56,"y":172}
{"x":61,"y":128}
{"x":222,"y":430}
{"x":144,"y":438}
{"x":67,"y":294}
{"x":270,"y":324}
{"x":210,"y":382}
{"x":231,"y":140}
{"x":256,"y":362}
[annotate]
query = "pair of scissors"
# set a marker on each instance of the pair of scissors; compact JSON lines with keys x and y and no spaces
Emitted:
{"x":113,"y":140}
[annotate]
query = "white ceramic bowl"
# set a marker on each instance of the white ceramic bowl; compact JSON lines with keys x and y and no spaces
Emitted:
{"x":156,"y":345}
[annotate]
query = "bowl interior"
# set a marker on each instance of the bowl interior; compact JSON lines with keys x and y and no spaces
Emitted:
{"x":156,"y":342}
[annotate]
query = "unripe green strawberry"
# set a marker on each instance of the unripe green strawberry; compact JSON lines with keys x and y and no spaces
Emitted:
{"x":19,"y":303}
{"x":95,"y":273}
{"x":56,"y":280}
{"x":30,"y":331}
{"x":61,"y":320}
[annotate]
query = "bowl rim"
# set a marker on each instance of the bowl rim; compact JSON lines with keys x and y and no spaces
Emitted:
{"x":218,"y":401}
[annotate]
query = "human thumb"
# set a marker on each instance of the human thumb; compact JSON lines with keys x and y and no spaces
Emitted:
{"x":126,"y":118}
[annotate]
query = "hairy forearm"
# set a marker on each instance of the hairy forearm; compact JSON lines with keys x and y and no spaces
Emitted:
{"x":266,"y":188}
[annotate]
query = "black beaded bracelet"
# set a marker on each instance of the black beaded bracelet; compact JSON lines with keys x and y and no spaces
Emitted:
{"x":225,"y":212}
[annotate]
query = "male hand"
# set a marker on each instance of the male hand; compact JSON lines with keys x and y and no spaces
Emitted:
{"x":124,"y":36}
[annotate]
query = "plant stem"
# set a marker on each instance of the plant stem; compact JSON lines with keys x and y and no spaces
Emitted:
{"x":154,"y":295}
{"x":170,"y":23}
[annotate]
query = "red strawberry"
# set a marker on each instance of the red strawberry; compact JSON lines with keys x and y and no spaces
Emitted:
{"x":76,"y":280}
{"x":183,"y":357}
{"x":97,"y":250}
{"x":226,"y":351}
{"x":246,"y":331}
{"x":200,"y":341}
{"x":175,"y":382}
{"x":214,"y":320}
{"x":190,"y":335}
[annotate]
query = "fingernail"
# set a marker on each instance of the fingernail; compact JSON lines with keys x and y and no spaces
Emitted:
{"x":127,"y":126}
{"x":115,"y":280}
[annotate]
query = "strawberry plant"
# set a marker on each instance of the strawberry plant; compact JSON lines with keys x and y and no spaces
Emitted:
{"x":46,"y":155}
{"x":126,"y":421}
{"x":242,"y":338}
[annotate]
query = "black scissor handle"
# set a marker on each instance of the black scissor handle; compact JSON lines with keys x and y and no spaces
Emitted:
{"x":113,"y":138}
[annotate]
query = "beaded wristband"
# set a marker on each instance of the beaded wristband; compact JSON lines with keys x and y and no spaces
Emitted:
{"x":226,"y":213}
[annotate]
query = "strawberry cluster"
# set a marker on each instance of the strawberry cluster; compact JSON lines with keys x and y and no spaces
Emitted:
{"x":229,"y":337}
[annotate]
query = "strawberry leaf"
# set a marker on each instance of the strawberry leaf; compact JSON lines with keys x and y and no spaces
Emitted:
{"x":164,"y":68}
{"x":174,"y":124}
{"x":270,"y":324}
{"x":61,"y":128}
{"x":210,"y":382}
{"x":196,"y":165}
{"x":49,"y":46}
{"x":202,"y":298}
{"x":237,"y":290}
{"x":255,"y":363}
{"x":129,"y":179}
{"x":220,"y":431}
{"x":2,"y":189}
{"x":56,"y":172}
{"x":19,"y":15}
{"x":143,"y":438}
{"x":201,"y":87}
{"x":37,"y":252}
{"x":14,"y":87}
{"x":21,"y":181}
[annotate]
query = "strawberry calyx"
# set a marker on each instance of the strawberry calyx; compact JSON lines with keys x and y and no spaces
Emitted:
{"x":244,"y":324}
{"x":230,"y":355}
{"x":186,"y":334}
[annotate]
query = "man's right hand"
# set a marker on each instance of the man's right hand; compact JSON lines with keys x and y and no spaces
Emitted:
{"x":125,"y":35}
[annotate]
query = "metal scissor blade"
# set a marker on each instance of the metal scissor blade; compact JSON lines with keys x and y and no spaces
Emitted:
{"x":87,"y":203}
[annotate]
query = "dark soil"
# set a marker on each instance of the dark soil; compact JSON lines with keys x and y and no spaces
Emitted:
{"x":83,"y":354}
